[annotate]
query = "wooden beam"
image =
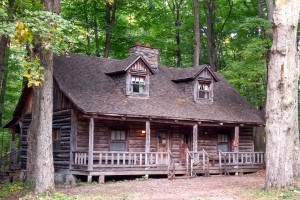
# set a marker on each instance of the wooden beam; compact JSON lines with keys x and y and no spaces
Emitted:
{"x":195,"y":137}
{"x":91,"y":144}
{"x":73,"y":136}
{"x":147,"y":147}
{"x":237,"y":138}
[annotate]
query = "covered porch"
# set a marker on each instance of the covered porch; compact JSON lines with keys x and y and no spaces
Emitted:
{"x":156,"y":148}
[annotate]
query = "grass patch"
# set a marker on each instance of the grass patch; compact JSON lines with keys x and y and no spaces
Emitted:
{"x":274,"y":194}
{"x":54,"y":196}
{"x":15,"y":188}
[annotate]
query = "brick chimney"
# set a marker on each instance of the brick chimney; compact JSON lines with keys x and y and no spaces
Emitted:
{"x":150,"y":54}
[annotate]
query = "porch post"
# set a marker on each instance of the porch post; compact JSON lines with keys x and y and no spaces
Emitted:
{"x":195,"y":137}
{"x":236,"y":138}
{"x":91,"y":144}
{"x":147,"y":146}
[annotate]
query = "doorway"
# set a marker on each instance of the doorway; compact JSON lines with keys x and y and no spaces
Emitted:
{"x":162,"y":146}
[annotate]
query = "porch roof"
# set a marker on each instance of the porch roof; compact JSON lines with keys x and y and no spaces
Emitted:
{"x":83,"y":80}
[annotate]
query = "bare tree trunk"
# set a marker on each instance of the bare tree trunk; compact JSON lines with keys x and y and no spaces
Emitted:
{"x":40,"y":131}
{"x":196,"y":33}
{"x":175,"y":7}
{"x":209,"y":10}
{"x":42,"y":114}
{"x":87,"y":28}
{"x":110,"y":17}
{"x":270,"y":9}
{"x":282,"y":97}
{"x":96,"y":30}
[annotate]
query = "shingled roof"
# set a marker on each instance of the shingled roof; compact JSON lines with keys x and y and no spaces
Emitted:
{"x":85,"y":81}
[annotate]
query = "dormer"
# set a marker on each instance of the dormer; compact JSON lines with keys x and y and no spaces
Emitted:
{"x":138,"y":79}
{"x":197,"y":83}
{"x":132,"y":74}
{"x":203,"y":86}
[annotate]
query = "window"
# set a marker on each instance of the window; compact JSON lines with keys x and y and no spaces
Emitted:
{"x":137,"y":84}
{"x":118,"y":141}
{"x":56,"y":140}
{"x":223,"y":144}
{"x":203,"y":90}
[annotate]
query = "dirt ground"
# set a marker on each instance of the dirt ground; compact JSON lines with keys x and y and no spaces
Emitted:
{"x":209,"y":188}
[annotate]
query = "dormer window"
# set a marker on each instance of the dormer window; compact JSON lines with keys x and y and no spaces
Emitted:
{"x":138,"y":80}
{"x":204,"y":89}
{"x":137,"y":84}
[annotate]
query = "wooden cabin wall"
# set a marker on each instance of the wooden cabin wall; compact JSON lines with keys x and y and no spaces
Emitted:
{"x":102,"y":135}
{"x":61,"y":122}
{"x":208,"y":140}
{"x":246,"y":139}
{"x":176,"y":142}
{"x":59,"y":99}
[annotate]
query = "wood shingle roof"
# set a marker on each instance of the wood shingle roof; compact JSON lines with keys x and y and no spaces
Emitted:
{"x":85,"y":80}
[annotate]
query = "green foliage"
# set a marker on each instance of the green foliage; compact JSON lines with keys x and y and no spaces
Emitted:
{"x":11,"y":189}
{"x":279,"y":194}
{"x":54,"y":196}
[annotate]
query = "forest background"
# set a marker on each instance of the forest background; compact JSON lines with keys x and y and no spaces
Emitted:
{"x":234,"y":39}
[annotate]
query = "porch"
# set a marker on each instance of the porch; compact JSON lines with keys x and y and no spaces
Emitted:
{"x":110,"y":163}
{"x":126,"y":146}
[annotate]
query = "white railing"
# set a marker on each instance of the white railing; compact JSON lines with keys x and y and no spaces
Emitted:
{"x":123,"y":159}
{"x":241,"y":158}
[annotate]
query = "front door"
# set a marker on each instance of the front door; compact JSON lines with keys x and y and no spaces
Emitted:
{"x":185,"y":144}
{"x":162,"y":146}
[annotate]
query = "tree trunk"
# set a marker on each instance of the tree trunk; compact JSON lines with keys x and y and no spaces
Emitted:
{"x":40,"y":131}
{"x":196,"y":33}
{"x":282,"y":97}
{"x":96,"y":30}
{"x":270,"y":9}
{"x":87,"y":28}
{"x":177,"y":33}
{"x":110,"y":17}
{"x":42,"y":113}
{"x":209,"y":10}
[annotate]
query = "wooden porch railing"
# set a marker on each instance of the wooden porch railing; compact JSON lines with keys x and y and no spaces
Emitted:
{"x":194,"y":158}
{"x":240,"y":158}
{"x":123,"y":159}
{"x":9,"y":162}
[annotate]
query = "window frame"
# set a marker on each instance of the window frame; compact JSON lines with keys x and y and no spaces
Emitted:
{"x":118,"y":140}
{"x":140,"y":74}
{"x":223,"y":139}
{"x":209,"y":83}
{"x":139,"y":84}
{"x":56,"y":140}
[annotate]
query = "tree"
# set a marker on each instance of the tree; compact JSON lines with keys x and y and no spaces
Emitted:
{"x":210,"y":11}
{"x":196,"y":33}
{"x":42,"y":111}
{"x":110,"y":18}
{"x":282,"y":97}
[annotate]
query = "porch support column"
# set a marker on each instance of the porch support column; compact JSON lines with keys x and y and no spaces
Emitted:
{"x":195,"y":137}
{"x":147,"y":146}
{"x":236,"y":138}
{"x":91,"y":144}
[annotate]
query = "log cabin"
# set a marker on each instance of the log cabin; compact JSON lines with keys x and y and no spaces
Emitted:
{"x":134,"y":117}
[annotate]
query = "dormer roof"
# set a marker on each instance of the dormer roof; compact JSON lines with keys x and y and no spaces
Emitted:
{"x":189,"y":74}
{"x":121,"y":66}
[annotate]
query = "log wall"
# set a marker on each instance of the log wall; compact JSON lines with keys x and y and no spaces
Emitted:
{"x":61,"y":122}
{"x":59,"y":99}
